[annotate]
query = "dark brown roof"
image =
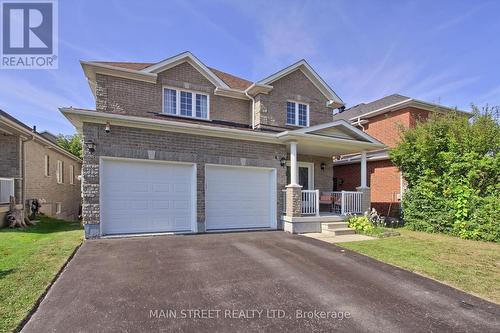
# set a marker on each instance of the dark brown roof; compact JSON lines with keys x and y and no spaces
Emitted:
{"x":128,"y":65}
{"x":232,"y":81}
{"x":361,"y":109}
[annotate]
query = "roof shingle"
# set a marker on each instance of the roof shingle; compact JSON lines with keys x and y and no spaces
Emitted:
{"x":232,"y":81}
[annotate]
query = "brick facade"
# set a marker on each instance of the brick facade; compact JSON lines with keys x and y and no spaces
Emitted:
{"x":39,"y":186}
{"x":128,"y":142}
{"x":36,"y":184}
{"x":137,"y":98}
{"x":271,"y":108}
{"x":384,"y":178}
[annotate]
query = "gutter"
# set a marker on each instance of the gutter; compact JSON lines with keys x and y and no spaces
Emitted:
{"x":253,"y":109}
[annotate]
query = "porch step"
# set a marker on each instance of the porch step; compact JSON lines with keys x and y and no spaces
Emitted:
{"x":341,"y":231}
{"x":333,"y":225}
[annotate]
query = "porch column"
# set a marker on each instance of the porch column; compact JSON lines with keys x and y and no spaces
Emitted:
{"x":293,"y":163}
{"x":366,"y":199}
{"x":293,"y":190}
{"x":363,"y":169}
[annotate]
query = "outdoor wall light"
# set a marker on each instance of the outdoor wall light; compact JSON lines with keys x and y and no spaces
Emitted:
{"x":90,"y":145}
{"x":108,"y":127}
{"x":283,"y":161}
{"x":323,"y":166}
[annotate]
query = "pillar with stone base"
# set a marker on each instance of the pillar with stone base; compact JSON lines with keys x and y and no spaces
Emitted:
{"x":293,"y":200}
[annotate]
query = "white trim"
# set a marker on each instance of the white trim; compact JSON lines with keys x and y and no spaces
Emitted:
{"x":71,"y":174}
{"x":273,"y":216}
{"x":60,"y":172}
{"x":311,"y":74}
{"x":58,"y":207}
{"x":78,"y":116}
{"x":341,"y":122}
{"x":310,"y":174}
{"x":46,"y":162}
{"x":410,"y":102}
{"x":194,"y":221}
{"x":296,"y":107}
{"x":28,"y":134}
{"x":178,"y":102}
{"x":192,"y":60}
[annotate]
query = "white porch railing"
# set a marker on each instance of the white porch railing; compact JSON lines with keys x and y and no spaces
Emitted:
{"x":6,"y":189}
{"x":310,"y":202}
{"x":284,"y":201}
{"x":343,"y":202}
{"x":347,"y":202}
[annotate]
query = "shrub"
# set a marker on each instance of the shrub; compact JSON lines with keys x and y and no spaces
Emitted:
{"x":452,"y":168}
{"x":360,"y":223}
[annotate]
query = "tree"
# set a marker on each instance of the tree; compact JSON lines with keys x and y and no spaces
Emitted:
{"x":452,"y":167}
{"x":71,"y":143}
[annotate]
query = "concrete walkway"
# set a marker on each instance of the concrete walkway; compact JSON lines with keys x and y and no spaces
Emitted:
{"x":331,"y":238}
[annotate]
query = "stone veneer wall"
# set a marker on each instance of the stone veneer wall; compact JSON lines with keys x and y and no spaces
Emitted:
{"x":170,"y":146}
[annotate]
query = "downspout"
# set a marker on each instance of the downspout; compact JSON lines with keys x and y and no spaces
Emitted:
{"x":358,"y":123}
{"x":253,"y":109}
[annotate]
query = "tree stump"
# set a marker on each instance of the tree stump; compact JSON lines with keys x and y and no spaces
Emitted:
{"x":15,"y":217}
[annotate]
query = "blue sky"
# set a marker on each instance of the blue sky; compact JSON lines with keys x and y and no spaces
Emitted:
{"x":445,"y":52}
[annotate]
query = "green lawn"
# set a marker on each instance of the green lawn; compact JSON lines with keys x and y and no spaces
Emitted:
{"x":29,"y":260}
{"x":471,"y":266}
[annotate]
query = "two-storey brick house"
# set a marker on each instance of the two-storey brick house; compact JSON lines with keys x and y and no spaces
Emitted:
{"x":177,"y":146}
{"x":383,"y":119}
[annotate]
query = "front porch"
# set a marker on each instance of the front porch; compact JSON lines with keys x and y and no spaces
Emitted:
{"x":311,"y":204}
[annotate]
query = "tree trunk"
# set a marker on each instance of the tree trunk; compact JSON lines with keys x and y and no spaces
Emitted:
{"x":15,"y":217}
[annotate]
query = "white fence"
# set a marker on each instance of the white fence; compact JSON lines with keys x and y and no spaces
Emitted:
{"x":347,"y":202}
{"x":310,"y":202}
{"x":6,"y":189}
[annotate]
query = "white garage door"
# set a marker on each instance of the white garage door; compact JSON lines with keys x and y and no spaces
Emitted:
{"x":240,"y":197}
{"x":145,"y":197}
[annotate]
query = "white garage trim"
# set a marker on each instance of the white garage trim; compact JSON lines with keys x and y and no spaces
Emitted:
{"x":272,"y":217}
{"x":194,"y":224}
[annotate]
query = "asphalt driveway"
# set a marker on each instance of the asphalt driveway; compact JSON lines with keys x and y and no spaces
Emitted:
{"x":255,"y":281}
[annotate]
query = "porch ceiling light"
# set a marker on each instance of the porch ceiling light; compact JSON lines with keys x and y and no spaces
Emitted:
{"x":90,"y":145}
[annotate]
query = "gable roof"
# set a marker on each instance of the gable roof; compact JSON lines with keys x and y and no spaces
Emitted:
{"x":232,"y":81}
{"x":227,"y":84}
{"x":16,"y":126}
{"x":389,"y":103}
{"x":311,"y":74}
{"x":363,"y":108}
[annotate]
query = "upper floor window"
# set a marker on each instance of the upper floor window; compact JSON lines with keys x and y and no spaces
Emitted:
{"x":185,"y":103}
{"x":297,"y":114}
{"x":60,"y":172}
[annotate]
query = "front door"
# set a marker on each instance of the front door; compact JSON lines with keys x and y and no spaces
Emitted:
{"x":305,"y":175}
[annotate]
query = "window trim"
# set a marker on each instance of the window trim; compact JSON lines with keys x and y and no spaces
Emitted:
{"x":72,"y":174}
{"x":46,"y":161}
{"x":178,"y":102}
{"x":58,"y":207}
{"x":60,"y":172}
{"x":296,"y":103}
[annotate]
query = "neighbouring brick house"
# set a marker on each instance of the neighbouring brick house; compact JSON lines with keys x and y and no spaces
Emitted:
{"x":382,"y":119}
{"x":33,"y":166}
{"x":177,"y":146}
